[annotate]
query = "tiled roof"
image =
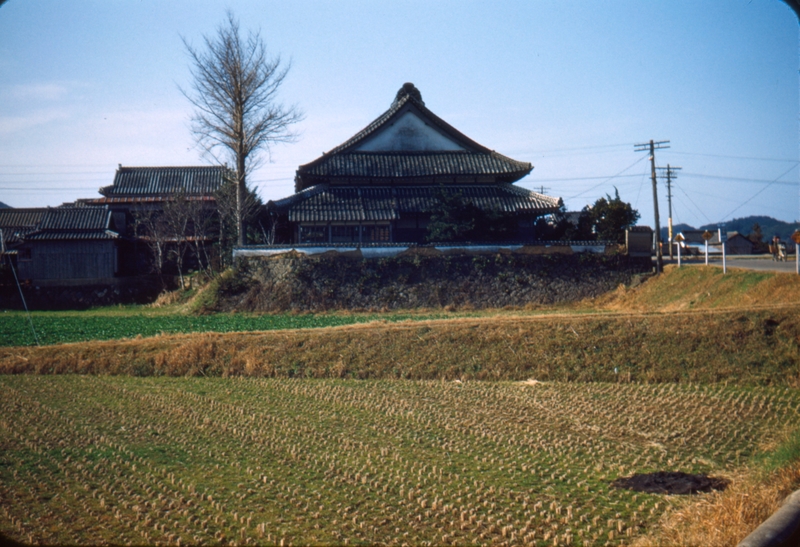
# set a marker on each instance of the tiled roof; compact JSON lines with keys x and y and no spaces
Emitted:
{"x":70,"y":223}
{"x":329,"y":203}
{"x":409,"y":95}
{"x":398,"y":165}
{"x":71,"y":235}
{"x":15,"y":223}
{"x":345,"y":162}
{"x":18,"y":218}
{"x":159,"y":181}
{"x":143,"y":199}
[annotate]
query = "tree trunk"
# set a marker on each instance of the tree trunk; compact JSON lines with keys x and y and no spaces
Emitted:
{"x":241,"y":201}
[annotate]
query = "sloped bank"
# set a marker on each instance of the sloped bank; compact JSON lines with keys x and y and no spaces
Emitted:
{"x":419,"y":279}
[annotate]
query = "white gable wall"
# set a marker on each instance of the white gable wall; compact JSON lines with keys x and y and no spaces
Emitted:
{"x":409,"y":133}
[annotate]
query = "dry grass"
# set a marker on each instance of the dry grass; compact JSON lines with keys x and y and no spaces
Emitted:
{"x":722,"y":519}
{"x":758,"y":347}
{"x":701,"y":287}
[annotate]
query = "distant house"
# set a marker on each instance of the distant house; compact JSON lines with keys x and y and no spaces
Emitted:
{"x":383,"y":184}
{"x":737,"y":244}
{"x":70,"y":245}
{"x":693,"y":242}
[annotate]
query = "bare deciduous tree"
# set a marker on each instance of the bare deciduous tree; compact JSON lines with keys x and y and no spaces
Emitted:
{"x":234,"y":90}
{"x":152,"y":230}
{"x":229,"y":202}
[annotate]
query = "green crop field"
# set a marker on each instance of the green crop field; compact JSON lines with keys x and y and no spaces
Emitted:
{"x":110,"y":324}
{"x":99,"y":459}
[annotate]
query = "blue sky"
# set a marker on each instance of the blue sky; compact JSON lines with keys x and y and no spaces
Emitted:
{"x":570,"y":86}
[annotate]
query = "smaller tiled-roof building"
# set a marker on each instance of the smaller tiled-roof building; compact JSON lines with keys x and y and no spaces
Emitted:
{"x":149,"y":187}
{"x":383,"y":184}
{"x":70,"y":244}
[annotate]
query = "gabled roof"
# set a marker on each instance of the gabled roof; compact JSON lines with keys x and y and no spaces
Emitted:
{"x":407,"y":143}
{"x":15,"y":223}
{"x":333,"y":203}
{"x":70,"y":223}
{"x":138,"y":182}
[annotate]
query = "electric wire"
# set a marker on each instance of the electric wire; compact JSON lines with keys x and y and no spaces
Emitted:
{"x":734,"y":157}
{"x":751,"y":198}
{"x":609,"y":178}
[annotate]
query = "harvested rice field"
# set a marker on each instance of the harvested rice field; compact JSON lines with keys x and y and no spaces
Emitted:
{"x":125,"y":460}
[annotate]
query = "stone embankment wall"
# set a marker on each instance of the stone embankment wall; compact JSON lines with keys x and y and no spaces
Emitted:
{"x":417,"y":280}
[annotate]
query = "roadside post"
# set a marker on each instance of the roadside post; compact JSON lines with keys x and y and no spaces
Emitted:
{"x":707,"y":236}
{"x":679,"y":239}
{"x":796,"y":239}
{"x":724,"y":240}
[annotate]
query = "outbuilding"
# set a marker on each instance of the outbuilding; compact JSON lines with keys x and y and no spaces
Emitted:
{"x":71,"y":245}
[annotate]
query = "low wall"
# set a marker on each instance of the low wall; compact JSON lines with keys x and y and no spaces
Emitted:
{"x":421,"y":278}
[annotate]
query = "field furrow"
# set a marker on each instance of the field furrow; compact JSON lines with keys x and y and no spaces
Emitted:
{"x":98,"y":459}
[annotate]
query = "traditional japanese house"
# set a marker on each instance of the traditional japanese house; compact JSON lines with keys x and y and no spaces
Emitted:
{"x":148,"y":188}
{"x":70,"y":245}
{"x":137,"y":198}
{"x":384,"y":183}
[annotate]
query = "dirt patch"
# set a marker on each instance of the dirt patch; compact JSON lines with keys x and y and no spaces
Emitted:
{"x":671,"y":482}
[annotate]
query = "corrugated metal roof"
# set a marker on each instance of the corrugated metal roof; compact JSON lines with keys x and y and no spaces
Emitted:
{"x":476,"y":160}
{"x":328,"y":203}
{"x":156,"y":181}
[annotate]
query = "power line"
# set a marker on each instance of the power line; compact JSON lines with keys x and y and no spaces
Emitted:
{"x":60,"y":173}
{"x":606,"y":180}
{"x":751,"y":198}
{"x":743,"y":179}
{"x":583,"y":148}
{"x":47,"y":189}
{"x":735,"y":157}
{"x":606,"y":177}
{"x":695,"y":205}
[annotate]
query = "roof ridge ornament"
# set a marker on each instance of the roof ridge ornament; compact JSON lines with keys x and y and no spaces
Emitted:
{"x":409,"y":89}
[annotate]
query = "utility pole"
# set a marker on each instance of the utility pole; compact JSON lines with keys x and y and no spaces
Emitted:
{"x":652,"y":147}
{"x":543,"y":189}
{"x":670,"y":173}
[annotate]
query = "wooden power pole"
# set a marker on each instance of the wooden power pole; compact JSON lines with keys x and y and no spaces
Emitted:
{"x":652,"y":147}
{"x":670,"y":174}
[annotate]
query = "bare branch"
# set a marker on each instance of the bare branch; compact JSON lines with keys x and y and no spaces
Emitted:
{"x":234,"y":90}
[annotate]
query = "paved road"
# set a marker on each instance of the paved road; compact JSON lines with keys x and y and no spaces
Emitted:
{"x":748,"y":262}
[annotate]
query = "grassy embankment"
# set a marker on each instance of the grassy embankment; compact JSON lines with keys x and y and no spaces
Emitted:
{"x":689,"y":325}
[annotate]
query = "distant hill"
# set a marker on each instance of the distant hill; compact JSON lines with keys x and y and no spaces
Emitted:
{"x":4,"y":206}
{"x":769,"y":227}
